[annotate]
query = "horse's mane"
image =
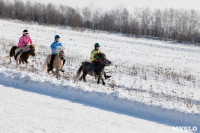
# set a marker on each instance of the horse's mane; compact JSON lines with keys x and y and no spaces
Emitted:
{"x":59,"y":49}
{"x":32,"y":46}
{"x":101,"y":55}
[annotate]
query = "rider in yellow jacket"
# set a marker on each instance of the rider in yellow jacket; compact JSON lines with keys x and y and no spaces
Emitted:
{"x":94,"y":51}
{"x":93,"y":60}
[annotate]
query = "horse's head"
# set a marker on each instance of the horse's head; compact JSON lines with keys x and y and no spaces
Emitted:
{"x":102,"y":58}
{"x":61,"y":55}
{"x":32,"y":50}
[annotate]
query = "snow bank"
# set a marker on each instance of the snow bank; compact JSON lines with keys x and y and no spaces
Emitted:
{"x":69,"y":90}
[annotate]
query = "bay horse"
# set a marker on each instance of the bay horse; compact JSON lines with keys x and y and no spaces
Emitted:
{"x":95,"y":69}
{"x":23,"y":57}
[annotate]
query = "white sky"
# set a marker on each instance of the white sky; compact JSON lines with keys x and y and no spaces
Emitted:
{"x":129,"y":4}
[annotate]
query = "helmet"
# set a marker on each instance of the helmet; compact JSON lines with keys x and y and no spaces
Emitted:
{"x":25,"y":32}
{"x":57,"y":36}
{"x":96,"y":45}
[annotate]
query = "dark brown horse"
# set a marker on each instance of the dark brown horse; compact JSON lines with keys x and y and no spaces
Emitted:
{"x":23,"y":57}
{"x":95,"y":69}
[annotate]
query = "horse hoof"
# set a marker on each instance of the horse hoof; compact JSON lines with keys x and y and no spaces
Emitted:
{"x":107,"y":77}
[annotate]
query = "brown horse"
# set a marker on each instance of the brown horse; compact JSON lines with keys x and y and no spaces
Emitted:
{"x":57,"y":63}
{"x":95,"y":69}
{"x":23,"y":57}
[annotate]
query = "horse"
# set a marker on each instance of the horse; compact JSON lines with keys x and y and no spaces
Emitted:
{"x":57,"y":63}
{"x":23,"y":58}
{"x":95,"y":68}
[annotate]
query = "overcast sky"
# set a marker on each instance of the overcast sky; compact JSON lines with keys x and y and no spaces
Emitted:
{"x":129,"y":4}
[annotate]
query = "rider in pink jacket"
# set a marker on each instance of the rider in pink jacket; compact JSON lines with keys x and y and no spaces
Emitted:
{"x":24,"y":40}
{"x":22,"y":45}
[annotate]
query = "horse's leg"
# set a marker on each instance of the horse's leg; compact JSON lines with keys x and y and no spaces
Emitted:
{"x":106,"y":76}
{"x":98,"y":80}
{"x":20,"y":61}
{"x":17,"y":64}
{"x":26,"y":66}
{"x":84,"y":76}
{"x":54,"y":73}
{"x":95,"y":76}
{"x":57,"y":74}
{"x":26,"y":61}
{"x":48,"y":71}
{"x":81,"y":77}
{"x":10,"y":60}
{"x":102,"y":81}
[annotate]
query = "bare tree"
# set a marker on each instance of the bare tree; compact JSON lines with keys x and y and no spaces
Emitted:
{"x":87,"y":15}
{"x":173,"y":24}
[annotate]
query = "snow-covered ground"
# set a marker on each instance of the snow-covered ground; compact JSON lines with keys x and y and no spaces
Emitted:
{"x":23,"y":112}
{"x":154,"y":80}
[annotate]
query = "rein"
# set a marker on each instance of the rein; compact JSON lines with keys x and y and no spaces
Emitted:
{"x":98,"y":59}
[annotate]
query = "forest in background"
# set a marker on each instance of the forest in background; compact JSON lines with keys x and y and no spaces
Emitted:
{"x":165,"y":24}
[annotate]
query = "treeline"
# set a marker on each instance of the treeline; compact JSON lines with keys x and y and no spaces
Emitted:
{"x":168,"y":24}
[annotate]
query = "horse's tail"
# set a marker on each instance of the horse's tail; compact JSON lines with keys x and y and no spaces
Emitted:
{"x":12,"y":51}
{"x":7,"y":57}
{"x":44,"y":66}
{"x":78,"y":73}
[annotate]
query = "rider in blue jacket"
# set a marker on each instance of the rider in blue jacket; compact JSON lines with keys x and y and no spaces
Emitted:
{"x":55,"y":44}
{"x":53,"y":47}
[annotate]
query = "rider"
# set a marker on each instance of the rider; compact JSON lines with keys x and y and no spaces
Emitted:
{"x":22,"y":45}
{"x":94,"y":60}
{"x":53,"y":47}
{"x":95,"y":51}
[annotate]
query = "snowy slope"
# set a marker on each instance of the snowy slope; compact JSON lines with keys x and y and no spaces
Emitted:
{"x":23,"y":112}
{"x":153,"y":80}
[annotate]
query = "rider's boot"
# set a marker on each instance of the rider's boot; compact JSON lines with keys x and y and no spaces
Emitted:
{"x":51,"y":63}
{"x":17,"y":54}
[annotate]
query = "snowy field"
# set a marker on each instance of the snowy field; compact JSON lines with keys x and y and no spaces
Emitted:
{"x":23,"y":112}
{"x":153,"y":80}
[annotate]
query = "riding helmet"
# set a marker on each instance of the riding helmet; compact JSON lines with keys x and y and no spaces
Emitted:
{"x":57,"y":36}
{"x":96,"y":45}
{"x":25,"y":31}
